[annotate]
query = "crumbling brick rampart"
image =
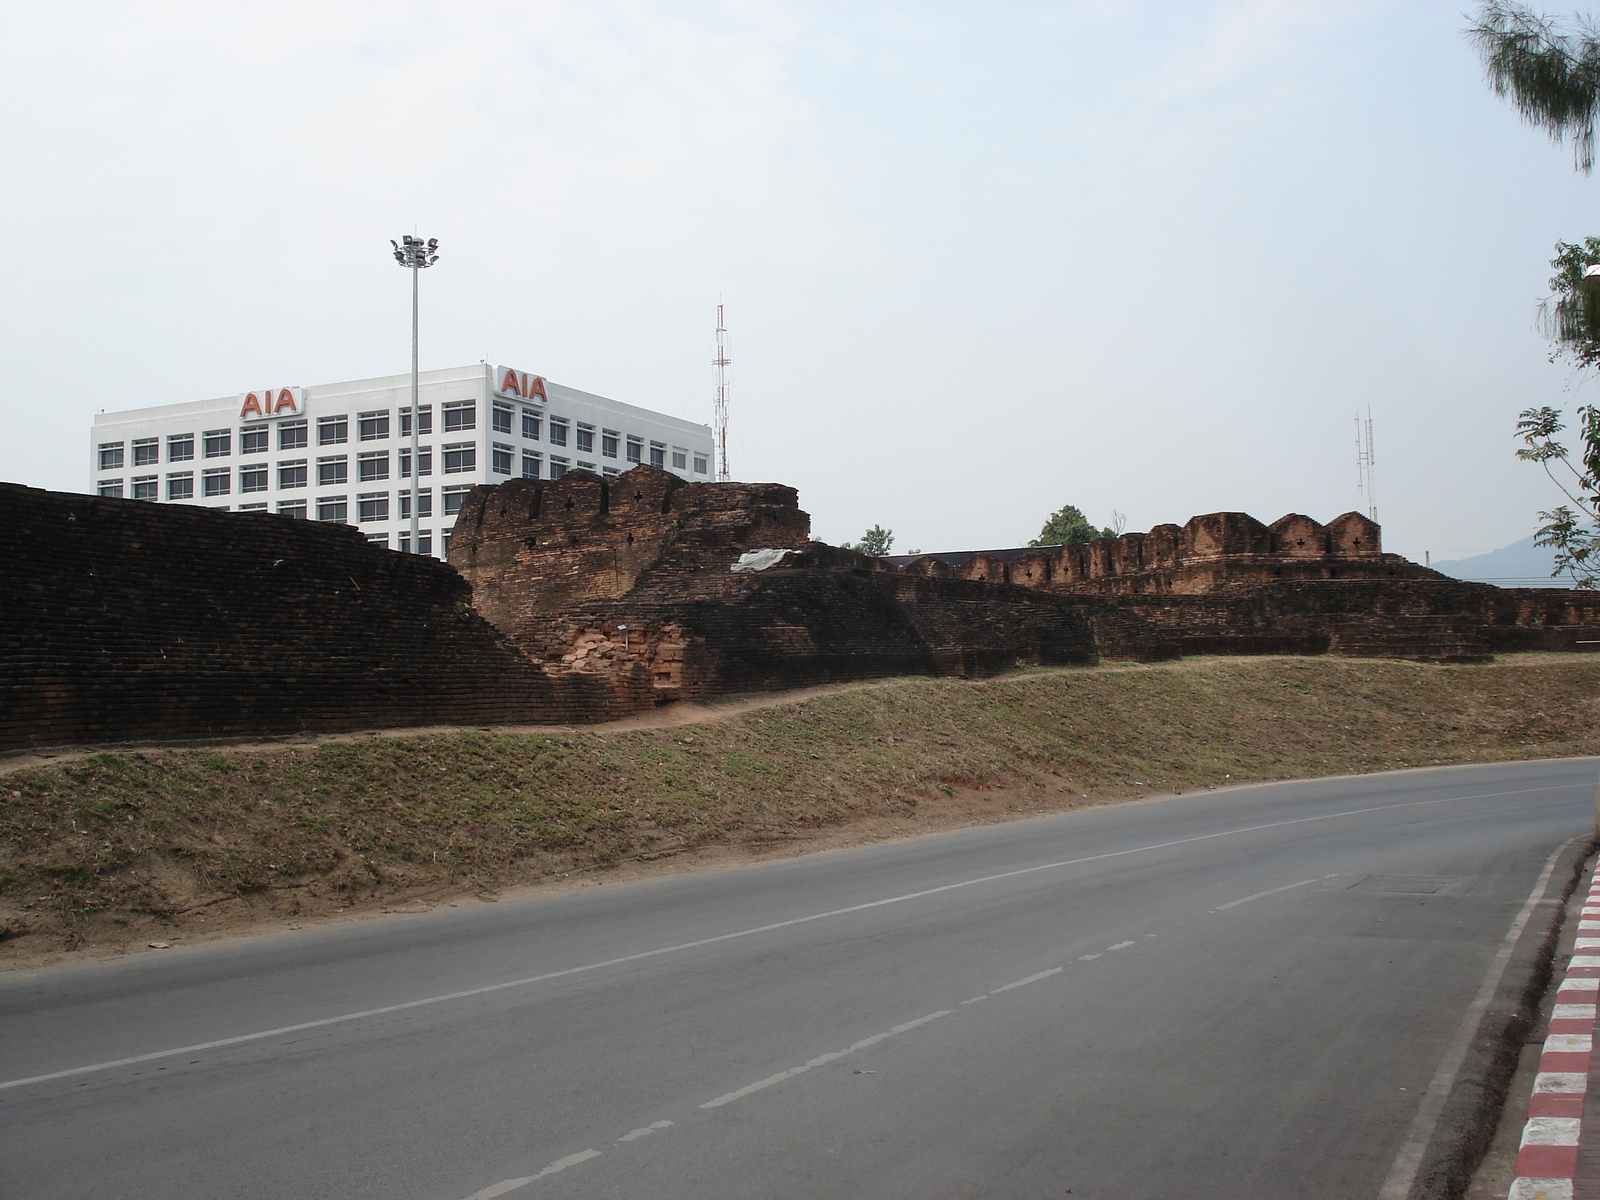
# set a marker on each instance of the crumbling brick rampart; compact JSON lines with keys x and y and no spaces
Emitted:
{"x":584,"y":599}
{"x":587,"y":575}
{"x":122,"y":620}
{"x":1208,"y":552}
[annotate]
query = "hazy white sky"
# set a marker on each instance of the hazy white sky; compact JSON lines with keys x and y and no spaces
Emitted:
{"x":979,"y":260}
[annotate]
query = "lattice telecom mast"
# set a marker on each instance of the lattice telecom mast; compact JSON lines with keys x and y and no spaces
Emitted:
{"x":719,"y":420}
{"x":1366,"y":470}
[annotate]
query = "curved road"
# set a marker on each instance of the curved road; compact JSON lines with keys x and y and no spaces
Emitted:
{"x":1237,"y":994}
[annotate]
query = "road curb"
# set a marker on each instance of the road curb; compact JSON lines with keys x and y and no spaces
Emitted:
{"x":1553,"y":1147}
{"x":1470,"y":1114}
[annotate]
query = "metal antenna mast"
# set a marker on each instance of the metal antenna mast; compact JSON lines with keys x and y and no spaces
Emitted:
{"x":719,"y":422}
{"x":1366,"y":468}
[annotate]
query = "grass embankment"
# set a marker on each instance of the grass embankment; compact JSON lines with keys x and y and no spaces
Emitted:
{"x":117,"y":847}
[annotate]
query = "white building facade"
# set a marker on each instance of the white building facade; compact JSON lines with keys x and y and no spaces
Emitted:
{"x":342,"y":451}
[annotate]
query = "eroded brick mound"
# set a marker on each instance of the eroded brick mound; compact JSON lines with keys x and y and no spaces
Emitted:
{"x":124,"y":620}
{"x":595,"y":576}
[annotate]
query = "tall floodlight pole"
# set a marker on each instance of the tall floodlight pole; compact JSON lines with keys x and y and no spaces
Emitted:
{"x":720,"y":407}
{"x":415,"y":253}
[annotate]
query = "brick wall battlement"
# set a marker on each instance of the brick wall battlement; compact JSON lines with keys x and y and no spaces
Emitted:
{"x":1208,"y":552}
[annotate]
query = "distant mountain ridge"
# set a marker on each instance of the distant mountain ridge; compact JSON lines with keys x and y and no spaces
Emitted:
{"x":1521,"y":564}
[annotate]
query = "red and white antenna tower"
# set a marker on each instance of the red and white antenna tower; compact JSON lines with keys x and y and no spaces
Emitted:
{"x":719,"y":421}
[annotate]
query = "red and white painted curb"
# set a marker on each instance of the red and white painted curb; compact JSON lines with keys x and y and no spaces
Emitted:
{"x":1547,"y":1163}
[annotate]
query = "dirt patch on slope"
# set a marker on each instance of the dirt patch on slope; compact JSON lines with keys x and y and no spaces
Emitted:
{"x":105,"y":852}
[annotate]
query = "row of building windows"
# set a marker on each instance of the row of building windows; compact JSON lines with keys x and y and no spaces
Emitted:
{"x":334,"y":470}
{"x":459,"y":459}
{"x":458,"y":416}
{"x":581,"y":437}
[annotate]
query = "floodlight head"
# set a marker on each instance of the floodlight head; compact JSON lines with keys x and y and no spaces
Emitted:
{"x":414,"y":252}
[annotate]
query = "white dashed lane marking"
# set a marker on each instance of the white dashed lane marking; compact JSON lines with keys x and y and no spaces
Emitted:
{"x":511,"y":1185}
{"x":822,"y":1059}
{"x":1269,"y":892}
{"x":1031,"y":979}
{"x":636,"y":1134}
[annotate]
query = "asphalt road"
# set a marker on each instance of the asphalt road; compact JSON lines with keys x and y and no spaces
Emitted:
{"x":1230,"y":995}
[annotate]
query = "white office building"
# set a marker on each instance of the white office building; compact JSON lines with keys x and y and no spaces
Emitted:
{"x":342,"y":451}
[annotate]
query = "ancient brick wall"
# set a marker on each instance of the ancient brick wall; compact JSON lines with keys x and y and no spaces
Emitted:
{"x":123,"y":620}
{"x":597,"y":577}
{"x":1434,"y":619}
{"x":1209,"y":552}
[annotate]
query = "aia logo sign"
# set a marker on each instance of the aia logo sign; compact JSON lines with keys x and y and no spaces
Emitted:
{"x":272,"y":402}
{"x":519,"y":385}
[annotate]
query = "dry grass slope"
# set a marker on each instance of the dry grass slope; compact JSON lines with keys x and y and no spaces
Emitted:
{"x":120,"y":846}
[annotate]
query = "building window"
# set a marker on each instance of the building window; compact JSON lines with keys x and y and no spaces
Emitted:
{"x":252,"y":508}
{"x":444,"y":543}
{"x":180,"y":447}
{"x":460,"y":458}
{"x":583,"y":466}
{"x":452,"y":498}
{"x":424,"y":504}
{"x":378,"y":539}
{"x":585,"y":439}
{"x":680,"y":459}
{"x":424,"y":542}
{"x":253,"y":478}
{"x":144,"y":487}
{"x":424,"y":424}
{"x":530,"y":465}
{"x":180,"y":486}
{"x":558,"y":432}
{"x":530,"y":424}
{"x":216,"y":482}
{"x":372,"y":508}
{"x":635,"y":450}
{"x":111,"y":456}
{"x":424,"y":461}
{"x":460,"y":414}
{"x":609,"y":472}
{"x":373,"y":466}
{"x":373,"y":426}
{"x":331,"y":472}
{"x":292,"y":435}
{"x":292,"y":508}
{"x":292,"y":474}
{"x":658,"y":455}
{"x":333,"y":431}
{"x":333,"y":508}
{"x":500,"y":459}
{"x":700,"y":465}
{"x":608,"y":443}
{"x":559,"y":467}
{"x":216,"y":443}
{"x":219,"y":508}
{"x":502,"y":418}
{"x":252,"y":441}
{"x":111,"y":489}
{"x":146,"y":452}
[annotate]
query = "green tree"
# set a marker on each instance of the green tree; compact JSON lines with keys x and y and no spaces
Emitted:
{"x":1066,"y":526}
{"x":876,"y":542}
{"x":1550,"y":72}
{"x":1572,"y":529}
